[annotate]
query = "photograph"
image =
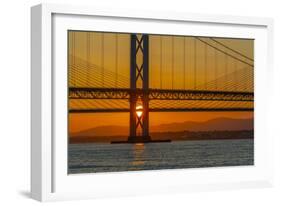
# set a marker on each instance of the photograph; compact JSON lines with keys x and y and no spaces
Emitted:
{"x":140,"y":101}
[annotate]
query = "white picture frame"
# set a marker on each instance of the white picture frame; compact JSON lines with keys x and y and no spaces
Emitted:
{"x":49,"y":179}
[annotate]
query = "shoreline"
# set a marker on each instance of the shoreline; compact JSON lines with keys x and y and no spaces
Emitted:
{"x":173,"y":136}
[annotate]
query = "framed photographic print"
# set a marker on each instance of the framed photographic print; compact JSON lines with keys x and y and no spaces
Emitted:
{"x":136,"y":102}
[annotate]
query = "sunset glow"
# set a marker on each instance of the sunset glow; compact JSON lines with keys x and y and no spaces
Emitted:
{"x":139,"y":110}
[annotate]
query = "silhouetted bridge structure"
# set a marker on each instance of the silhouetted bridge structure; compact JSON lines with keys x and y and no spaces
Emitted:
{"x":94,"y":88}
{"x":161,"y":94}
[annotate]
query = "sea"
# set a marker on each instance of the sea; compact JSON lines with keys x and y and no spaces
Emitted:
{"x":100,"y":157}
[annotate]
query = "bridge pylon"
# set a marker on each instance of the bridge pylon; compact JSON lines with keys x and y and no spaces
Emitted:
{"x":139,"y":77}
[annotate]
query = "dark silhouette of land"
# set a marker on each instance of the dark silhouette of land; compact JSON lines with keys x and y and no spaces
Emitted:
{"x":173,"y":136}
{"x":221,"y":128}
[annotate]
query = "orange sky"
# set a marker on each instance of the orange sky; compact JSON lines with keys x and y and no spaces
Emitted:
{"x":115,"y":58}
{"x":88,"y":46}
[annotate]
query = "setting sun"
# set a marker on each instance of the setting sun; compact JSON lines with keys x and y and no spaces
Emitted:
{"x":139,"y":110}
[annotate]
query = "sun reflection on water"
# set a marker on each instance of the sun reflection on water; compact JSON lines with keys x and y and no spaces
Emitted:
{"x":138,"y":152}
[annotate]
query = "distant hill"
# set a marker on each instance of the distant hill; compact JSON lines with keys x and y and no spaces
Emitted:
{"x":110,"y":130}
{"x":218,"y":124}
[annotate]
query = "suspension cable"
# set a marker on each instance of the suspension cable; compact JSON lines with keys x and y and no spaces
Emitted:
{"x":236,"y":67}
{"x":235,"y":51}
{"x":102,"y":58}
{"x":74,"y":53}
{"x":116,"y":59}
{"x":88,"y":55}
{"x":205,"y":54}
{"x":172,"y":62}
{"x":216,"y":48}
{"x":216,"y":69}
{"x":226,"y":67}
{"x":195,"y":62}
{"x":161,"y":53}
{"x":184,"y":63}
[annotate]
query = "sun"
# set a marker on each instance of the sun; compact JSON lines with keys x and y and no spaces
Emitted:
{"x":139,"y":110}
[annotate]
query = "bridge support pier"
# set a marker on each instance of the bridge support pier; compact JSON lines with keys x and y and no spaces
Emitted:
{"x":139,"y":74}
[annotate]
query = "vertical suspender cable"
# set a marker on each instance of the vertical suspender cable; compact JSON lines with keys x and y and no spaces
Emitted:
{"x":150,"y":66}
{"x":102,"y":59}
{"x":244,"y":79}
{"x":195,"y":62}
{"x":225,"y":70}
{"x":74,"y":48}
{"x":70,"y":57}
{"x":74,"y":55}
{"x":235,"y":74}
{"x":116,"y":59}
{"x":88,"y":43}
{"x":172,"y":62}
{"x":206,"y":61}
{"x":70,"y":35}
{"x":184,"y":63}
{"x":160,"y":65}
{"x":216,"y":70}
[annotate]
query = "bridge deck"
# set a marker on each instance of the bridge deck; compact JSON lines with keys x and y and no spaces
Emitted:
{"x":159,"y":94}
{"x":91,"y":100}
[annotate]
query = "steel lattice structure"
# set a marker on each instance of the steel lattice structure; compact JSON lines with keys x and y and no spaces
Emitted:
{"x":159,"y":94}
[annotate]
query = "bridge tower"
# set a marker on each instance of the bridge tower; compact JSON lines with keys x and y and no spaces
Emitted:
{"x":139,"y":75}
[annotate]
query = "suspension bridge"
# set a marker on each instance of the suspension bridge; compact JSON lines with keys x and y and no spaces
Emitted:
{"x":174,"y":77}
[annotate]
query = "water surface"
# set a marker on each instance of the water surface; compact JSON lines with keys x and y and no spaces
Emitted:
{"x":97,"y":157}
